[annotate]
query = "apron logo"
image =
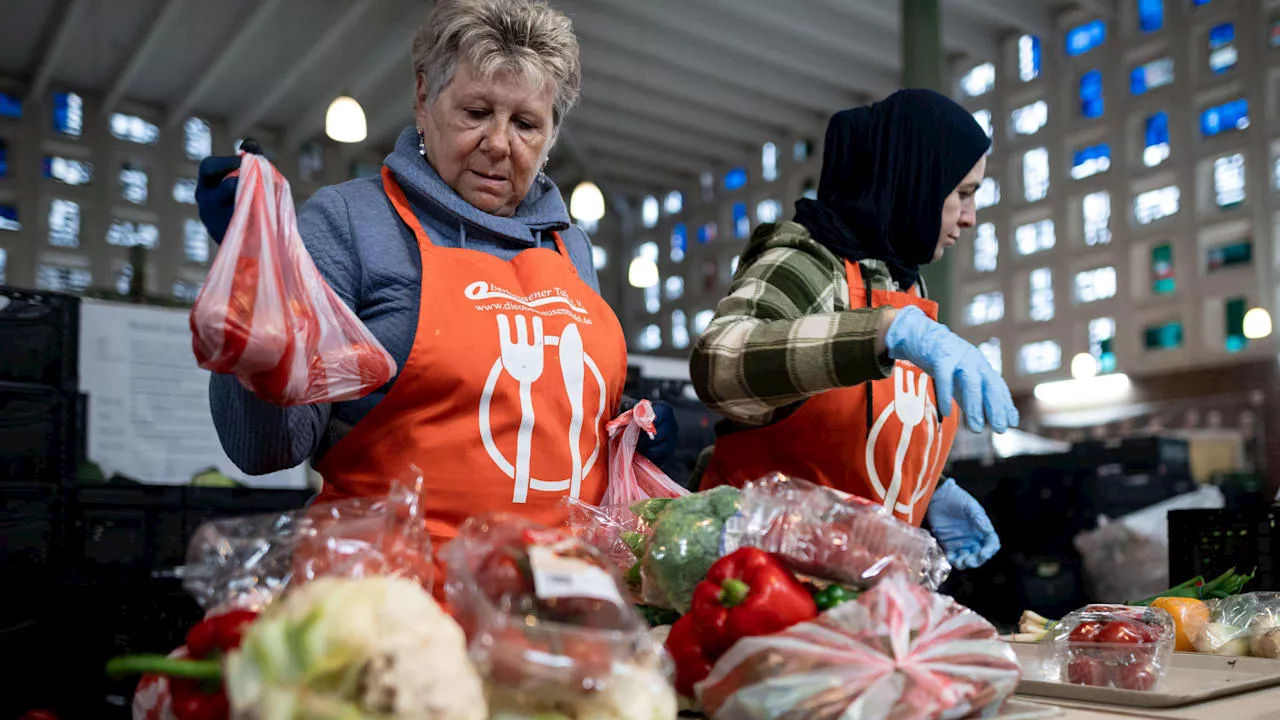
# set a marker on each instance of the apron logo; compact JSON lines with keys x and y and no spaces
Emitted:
{"x":523,"y":356}
{"x":480,"y":290}
{"x":913,"y":407}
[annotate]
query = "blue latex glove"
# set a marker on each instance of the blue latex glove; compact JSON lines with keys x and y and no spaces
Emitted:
{"x":663,"y":445}
{"x":961,"y":526}
{"x":216,"y":193}
{"x":958,"y":370}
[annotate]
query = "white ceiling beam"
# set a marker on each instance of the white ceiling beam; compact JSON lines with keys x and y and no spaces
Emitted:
{"x":691,"y":86}
{"x":960,"y":34}
{"x":660,"y":46}
{"x":217,"y":68}
{"x":596,"y":145}
{"x":394,"y":56}
{"x":867,"y":50}
{"x":638,"y":176}
{"x":1026,"y":16}
{"x":656,"y":133}
{"x":161,"y":27}
{"x":614,"y":95}
{"x":59,"y":39}
{"x":318,"y":51}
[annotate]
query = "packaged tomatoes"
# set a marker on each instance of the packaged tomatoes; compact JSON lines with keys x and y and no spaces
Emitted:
{"x":1113,"y":646}
{"x":266,"y":315}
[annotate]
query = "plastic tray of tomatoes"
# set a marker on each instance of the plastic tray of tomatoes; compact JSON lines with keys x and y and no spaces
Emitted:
{"x":1112,"y":646}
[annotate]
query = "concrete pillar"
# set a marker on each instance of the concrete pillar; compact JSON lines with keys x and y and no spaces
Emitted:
{"x":922,"y":65}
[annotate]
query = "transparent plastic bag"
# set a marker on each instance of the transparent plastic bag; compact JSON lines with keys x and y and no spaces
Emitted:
{"x":614,"y":530}
{"x":898,"y":651}
{"x":1114,"y":646}
{"x":247,"y":562}
{"x":685,"y":539}
{"x":632,"y":476}
{"x":549,"y":628}
{"x":829,"y":535}
{"x":1245,"y":624}
{"x":266,"y":315}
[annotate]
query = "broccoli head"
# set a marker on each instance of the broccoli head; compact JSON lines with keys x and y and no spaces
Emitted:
{"x":683,"y":544}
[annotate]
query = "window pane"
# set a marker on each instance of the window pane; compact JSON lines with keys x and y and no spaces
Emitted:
{"x":1153,"y":75}
{"x":675,"y":287}
{"x":1235,"y":309}
{"x":673,"y":203}
{"x":1156,"y":204}
{"x":979,"y":81}
{"x":707,"y":233}
{"x":986,"y":248}
{"x":1150,"y":15}
{"x":708,"y":183}
{"x":1042,"y":295}
{"x":679,"y":330}
{"x":1162,"y":276}
{"x":648,"y":251}
{"x":197,"y":139}
{"x":679,"y":242}
{"x":988,"y":194}
{"x":768,"y":211}
{"x":70,"y":172}
{"x":1035,"y":174}
{"x":134,"y":129}
{"x":195,"y":241}
{"x":983,"y":118}
{"x":58,"y":278}
{"x":184,"y":191}
{"x":1090,"y":161}
{"x":1226,"y":256}
{"x":1228,"y":116}
{"x":9,"y":218}
{"x":1094,"y":285}
{"x":4,"y":158}
{"x":1097,"y":218}
{"x":1102,"y":333}
{"x":64,"y":223}
{"x":133,"y":184}
{"x":68,"y":114}
{"x":769,"y":162}
{"x":1156,"y":137}
{"x":652,"y":300}
{"x":1084,"y":38}
{"x":599,"y":257}
{"x":125,"y":233}
{"x":741,"y":221}
{"x":1040,"y":357}
{"x":4,"y":262}
{"x":124,"y":279}
{"x":1028,"y":119}
{"x":10,"y":106}
{"x":735,"y":179}
{"x":649,"y":211}
{"x":1034,"y":237}
{"x":1229,"y":180}
{"x":184,"y":291}
{"x":1222,"y":48}
{"x":985,"y":308}
{"x":1163,"y":337}
{"x":810,"y":191}
{"x":1274,"y":34}
{"x":1092,"y":104}
{"x":702,"y":320}
{"x":650,"y":338}
{"x":991,"y":351}
{"x":1028,"y":58}
{"x":802,"y":150}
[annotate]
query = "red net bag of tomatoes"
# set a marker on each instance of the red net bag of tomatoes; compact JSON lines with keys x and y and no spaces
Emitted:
{"x":1112,"y":646}
{"x":267,"y":316}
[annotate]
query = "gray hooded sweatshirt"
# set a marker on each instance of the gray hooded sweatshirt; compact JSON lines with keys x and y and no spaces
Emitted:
{"x":371,"y":260}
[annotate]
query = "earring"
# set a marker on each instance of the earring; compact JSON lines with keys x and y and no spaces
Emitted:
{"x":422,"y":143}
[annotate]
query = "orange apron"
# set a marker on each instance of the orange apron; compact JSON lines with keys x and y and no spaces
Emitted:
{"x":515,"y":369}
{"x":882,"y":440}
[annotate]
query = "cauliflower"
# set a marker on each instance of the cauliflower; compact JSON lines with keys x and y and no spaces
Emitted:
{"x":355,"y":648}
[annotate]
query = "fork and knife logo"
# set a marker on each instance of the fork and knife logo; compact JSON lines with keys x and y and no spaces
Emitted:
{"x":912,"y":406}
{"x":523,"y":344}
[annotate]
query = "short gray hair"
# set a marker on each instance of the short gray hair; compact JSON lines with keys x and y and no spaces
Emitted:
{"x":526,"y":36}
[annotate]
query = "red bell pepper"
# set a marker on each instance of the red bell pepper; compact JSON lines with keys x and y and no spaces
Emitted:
{"x":745,"y":594}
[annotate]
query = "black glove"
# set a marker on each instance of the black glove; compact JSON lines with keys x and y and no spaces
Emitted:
{"x":216,"y":193}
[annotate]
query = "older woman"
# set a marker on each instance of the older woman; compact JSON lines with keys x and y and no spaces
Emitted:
{"x":463,"y":262}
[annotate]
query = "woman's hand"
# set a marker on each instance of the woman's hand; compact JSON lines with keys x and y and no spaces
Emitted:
{"x":958,"y":370}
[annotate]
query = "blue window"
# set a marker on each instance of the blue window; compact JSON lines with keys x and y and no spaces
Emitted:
{"x":9,"y":218}
{"x":1028,"y":58}
{"x":10,"y":106}
{"x":1198,"y":3}
{"x":1228,"y":116}
{"x":1089,"y":161}
{"x":1091,"y":103}
{"x":1150,"y":15}
{"x":1153,"y":75}
{"x":4,"y":158}
{"x":1156,"y":146}
{"x":679,"y":242}
{"x":1086,"y":37}
{"x":68,"y":114}
{"x":707,"y":233}
{"x":735,"y":179}
{"x":741,"y":221}
{"x":1222,"y":48}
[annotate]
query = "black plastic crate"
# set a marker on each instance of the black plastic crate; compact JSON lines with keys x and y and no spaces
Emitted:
{"x":201,"y":504}
{"x":37,"y":431}
{"x":124,"y":533}
{"x":988,"y":590}
{"x":1136,"y":456}
{"x":1051,"y":586}
{"x":31,"y":656}
{"x":29,"y":526}
{"x":41,"y":332}
{"x":1115,"y":494}
{"x":1210,"y":542}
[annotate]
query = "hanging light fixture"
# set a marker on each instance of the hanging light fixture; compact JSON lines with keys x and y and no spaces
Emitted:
{"x":1257,"y":324}
{"x":587,"y":203}
{"x":1084,"y":366}
{"x":643,"y":272}
{"x":344,"y":122}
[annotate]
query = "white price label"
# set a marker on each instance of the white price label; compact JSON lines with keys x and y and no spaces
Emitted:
{"x":557,"y":575}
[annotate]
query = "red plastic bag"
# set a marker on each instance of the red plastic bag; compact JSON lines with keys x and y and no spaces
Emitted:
{"x":633,"y":477}
{"x":267,"y":316}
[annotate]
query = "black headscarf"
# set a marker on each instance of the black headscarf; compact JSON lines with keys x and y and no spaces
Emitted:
{"x":887,"y":169}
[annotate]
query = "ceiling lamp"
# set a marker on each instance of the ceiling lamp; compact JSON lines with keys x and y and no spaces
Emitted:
{"x":587,"y":203}
{"x":1257,"y":324}
{"x":1084,"y":366}
{"x":344,"y":122}
{"x":643,"y":272}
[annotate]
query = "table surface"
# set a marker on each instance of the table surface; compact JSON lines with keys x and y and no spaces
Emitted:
{"x":1258,"y":705}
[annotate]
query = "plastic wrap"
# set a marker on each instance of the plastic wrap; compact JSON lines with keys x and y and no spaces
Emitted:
{"x":684,"y":541}
{"x":266,"y":315}
{"x":1245,"y":624}
{"x":898,"y":651}
{"x":247,"y":562}
{"x":829,"y":535}
{"x":549,"y":626}
{"x":614,"y":530}
{"x":632,"y":476}
{"x":1113,"y":646}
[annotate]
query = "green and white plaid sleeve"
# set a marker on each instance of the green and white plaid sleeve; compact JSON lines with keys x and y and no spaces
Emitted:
{"x":784,"y":332}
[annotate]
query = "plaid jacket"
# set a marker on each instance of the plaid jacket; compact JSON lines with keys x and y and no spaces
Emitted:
{"x":785,"y":332}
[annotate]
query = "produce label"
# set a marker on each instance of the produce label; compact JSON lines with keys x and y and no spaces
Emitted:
{"x":559,"y":573}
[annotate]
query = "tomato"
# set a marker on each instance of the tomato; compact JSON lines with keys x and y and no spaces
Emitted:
{"x":1122,"y":632}
{"x":1087,"y":671}
{"x":1086,"y":632}
{"x":39,"y":715}
{"x":1138,"y":676}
